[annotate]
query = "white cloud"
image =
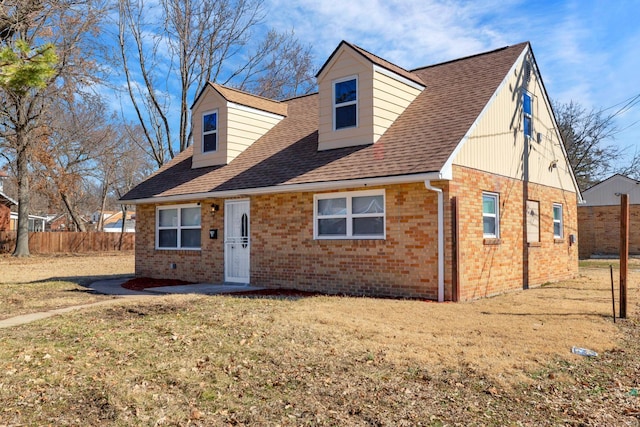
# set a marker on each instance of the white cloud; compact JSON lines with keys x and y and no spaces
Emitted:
{"x":586,"y":49}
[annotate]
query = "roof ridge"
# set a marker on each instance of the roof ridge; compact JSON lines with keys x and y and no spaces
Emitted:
{"x":377,"y":56}
{"x":489,"y":52}
{"x":244,"y":92}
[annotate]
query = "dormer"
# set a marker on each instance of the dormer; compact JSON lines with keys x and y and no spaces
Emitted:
{"x":360,"y":96}
{"x":226,"y":121}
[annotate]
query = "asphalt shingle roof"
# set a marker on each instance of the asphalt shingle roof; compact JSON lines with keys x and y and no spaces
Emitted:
{"x":419,"y":141}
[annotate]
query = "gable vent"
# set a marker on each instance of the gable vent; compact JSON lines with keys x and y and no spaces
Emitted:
{"x":526,"y":73}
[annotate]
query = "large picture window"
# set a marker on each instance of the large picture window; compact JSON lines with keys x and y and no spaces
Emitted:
{"x":557,"y":221}
{"x":210,"y":131}
{"x":353,"y":215}
{"x":178,"y":227}
{"x":490,"y":215}
{"x":345,"y":103}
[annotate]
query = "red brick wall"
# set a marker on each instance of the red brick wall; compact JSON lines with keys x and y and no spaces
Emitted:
{"x":284,"y":253}
{"x":5,"y":218}
{"x":488,"y":269}
{"x":599,"y":229}
{"x":204,"y":266}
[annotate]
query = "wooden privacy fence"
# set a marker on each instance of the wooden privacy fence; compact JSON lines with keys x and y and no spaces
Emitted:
{"x":69,"y":242}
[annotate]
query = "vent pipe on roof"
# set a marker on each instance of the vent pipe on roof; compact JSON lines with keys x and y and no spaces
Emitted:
{"x":428,"y":185}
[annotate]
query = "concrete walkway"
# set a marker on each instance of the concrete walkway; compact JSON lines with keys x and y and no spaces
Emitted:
{"x":32,"y":317}
{"x":114,"y":287}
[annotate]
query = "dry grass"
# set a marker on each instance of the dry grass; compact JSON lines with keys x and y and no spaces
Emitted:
{"x":43,"y":283}
{"x":197,"y":360}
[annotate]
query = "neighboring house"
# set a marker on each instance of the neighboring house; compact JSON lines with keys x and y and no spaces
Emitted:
{"x":113,"y":224}
{"x":95,"y":217}
{"x":448,"y":182}
{"x":6,"y":203}
{"x":36,"y":223}
{"x":64,"y":222}
{"x":599,"y":217}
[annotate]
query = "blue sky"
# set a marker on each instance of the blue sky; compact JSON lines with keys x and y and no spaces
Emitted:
{"x":588,"y":51}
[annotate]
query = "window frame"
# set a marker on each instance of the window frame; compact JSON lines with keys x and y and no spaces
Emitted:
{"x":179,"y":227}
{"x":559,"y":221}
{"x":335,"y":106}
{"x":211,"y":132}
{"x":527,"y":117}
{"x":496,"y":215}
{"x":349,"y":215}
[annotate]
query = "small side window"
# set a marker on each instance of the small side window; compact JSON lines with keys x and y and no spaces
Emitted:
{"x":557,"y":221}
{"x":490,"y":215}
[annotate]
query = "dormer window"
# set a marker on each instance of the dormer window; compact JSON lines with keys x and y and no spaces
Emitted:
{"x":345,"y":103}
{"x":210,"y":131}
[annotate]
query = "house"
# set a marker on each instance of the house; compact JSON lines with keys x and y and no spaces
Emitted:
{"x":36,"y":222}
{"x":448,"y":182}
{"x":113,"y":224}
{"x":599,"y":217}
{"x":6,"y":203}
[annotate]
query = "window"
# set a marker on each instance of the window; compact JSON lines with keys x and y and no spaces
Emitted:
{"x":354,"y":215}
{"x":345,"y":103}
{"x":210,"y":132}
{"x":178,"y":227}
{"x":490,"y":215}
{"x":527,"y":114}
{"x":557,"y":221}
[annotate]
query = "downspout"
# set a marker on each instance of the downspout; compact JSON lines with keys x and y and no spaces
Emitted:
{"x":428,"y":185}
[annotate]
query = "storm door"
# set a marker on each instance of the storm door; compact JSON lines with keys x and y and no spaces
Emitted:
{"x":237,"y":243}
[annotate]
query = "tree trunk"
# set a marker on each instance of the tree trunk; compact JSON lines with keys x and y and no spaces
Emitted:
{"x":103,"y":203}
{"x":22,"y":242}
{"x":74,"y":216}
{"x":124,"y":226}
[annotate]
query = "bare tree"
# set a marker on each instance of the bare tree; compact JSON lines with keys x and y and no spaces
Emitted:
{"x":190,"y":43}
{"x":79,"y":134}
{"x":586,"y":135}
{"x":43,"y":58}
{"x":132,"y":166}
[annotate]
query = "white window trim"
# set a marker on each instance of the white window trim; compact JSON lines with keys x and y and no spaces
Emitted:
{"x":211,"y":132}
{"x":559,"y":221}
{"x":527,"y":115}
{"x":178,"y":227}
{"x":349,"y":215}
{"x":496,"y":196}
{"x":334,"y":106}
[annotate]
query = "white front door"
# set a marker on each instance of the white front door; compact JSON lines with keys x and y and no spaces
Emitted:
{"x":236,"y":241}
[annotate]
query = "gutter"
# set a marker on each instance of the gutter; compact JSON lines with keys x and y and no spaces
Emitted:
{"x":288,"y":188}
{"x":427,"y":184}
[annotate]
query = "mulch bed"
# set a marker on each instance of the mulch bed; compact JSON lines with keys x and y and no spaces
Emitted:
{"x":142,"y":283}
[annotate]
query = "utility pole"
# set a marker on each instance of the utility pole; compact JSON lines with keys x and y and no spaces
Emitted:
{"x":624,"y":253}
